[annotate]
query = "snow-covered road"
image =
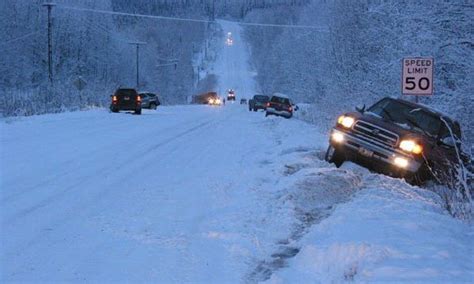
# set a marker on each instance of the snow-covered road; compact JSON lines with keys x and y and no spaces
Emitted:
{"x":209,"y":194}
{"x":178,"y":194}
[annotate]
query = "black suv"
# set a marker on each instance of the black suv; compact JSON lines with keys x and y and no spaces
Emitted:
{"x":126,"y":99}
{"x":150,"y":100}
{"x":258,"y":102}
{"x":398,"y":138}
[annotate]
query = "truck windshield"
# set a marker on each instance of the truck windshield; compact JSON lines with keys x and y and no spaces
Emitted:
{"x":407,"y":116}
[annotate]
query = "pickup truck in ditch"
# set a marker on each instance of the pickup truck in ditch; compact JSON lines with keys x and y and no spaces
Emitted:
{"x":399,"y":138}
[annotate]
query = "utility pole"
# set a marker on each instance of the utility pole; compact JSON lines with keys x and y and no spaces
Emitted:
{"x":213,"y":10}
{"x":137,"y":44}
{"x":50,"y":41}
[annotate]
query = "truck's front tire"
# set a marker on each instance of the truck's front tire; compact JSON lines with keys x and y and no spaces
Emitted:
{"x":334,"y":156}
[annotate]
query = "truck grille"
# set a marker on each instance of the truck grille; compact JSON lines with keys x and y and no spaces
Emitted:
{"x":375,"y":133}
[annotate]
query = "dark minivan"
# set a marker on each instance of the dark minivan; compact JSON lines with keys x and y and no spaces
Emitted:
{"x":126,"y":99}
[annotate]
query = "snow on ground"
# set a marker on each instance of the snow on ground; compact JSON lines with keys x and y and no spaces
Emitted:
{"x":388,"y":232}
{"x":209,"y":194}
{"x":180,"y":194}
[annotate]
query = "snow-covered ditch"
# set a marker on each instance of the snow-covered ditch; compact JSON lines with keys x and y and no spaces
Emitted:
{"x":387,"y":231}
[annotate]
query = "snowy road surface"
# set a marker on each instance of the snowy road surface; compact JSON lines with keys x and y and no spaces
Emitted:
{"x":209,"y":194}
{"x":171,"y":195}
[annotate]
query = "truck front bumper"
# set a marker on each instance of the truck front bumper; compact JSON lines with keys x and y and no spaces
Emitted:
{"x":380,"y":158}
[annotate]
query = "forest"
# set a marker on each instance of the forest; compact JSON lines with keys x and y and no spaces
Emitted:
{"x":345,"y":53}
{"x":355,"y":55}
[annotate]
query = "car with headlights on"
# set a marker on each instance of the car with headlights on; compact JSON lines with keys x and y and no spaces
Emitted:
{"x":398,"y":138}
{"x":230,"y":95}
{"x":215,"y":101}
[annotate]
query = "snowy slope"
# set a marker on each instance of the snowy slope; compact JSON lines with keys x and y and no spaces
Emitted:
{"x":389,"y":232}
{"x":208,"y":194}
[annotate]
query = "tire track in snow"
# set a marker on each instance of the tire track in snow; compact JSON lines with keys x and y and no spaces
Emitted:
{"x":67,"y":172}
{"x":315,"y":194}
{"x":86,"y":178}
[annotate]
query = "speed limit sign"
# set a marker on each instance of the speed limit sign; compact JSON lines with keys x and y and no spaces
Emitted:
{"x":417,"y":78}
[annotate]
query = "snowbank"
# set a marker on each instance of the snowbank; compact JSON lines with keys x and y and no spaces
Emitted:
{"x":390,"y":231}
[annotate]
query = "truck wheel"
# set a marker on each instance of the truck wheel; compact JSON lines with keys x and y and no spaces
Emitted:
{"x":334,"y":156}
{"x":254,"y":109}
{"x":152,"y":106}
{"x":420,"y":177}
{"x":138,"y":111}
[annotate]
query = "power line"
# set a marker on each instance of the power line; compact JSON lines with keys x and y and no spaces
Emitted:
{"x":187,"y":19}
{"x":101,"y":29}
{"x":19,"y":38}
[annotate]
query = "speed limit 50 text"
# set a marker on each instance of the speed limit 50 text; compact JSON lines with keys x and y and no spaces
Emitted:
{"x":417,"y":78}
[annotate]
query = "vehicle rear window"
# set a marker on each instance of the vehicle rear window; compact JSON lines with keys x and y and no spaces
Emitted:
{"x":126,"y":92}
{"x":262,"y":98}
{"x":280,"y":100}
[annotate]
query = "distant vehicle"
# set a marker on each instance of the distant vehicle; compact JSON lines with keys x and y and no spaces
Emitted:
{"x":398,"y":138}
{"x":215,"y":101}
{"x":204,"y":98}
{"x":150,"y":100}
{"x":243,"y":101}
{"x":280,"y":105}
{"x":258,"y":102}
{"x":230,"y":95}
{"x":126,"y":99}
{"x":229,"y":40}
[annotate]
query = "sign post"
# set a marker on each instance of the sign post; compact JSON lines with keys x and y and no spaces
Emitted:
{"x":417,"y":76}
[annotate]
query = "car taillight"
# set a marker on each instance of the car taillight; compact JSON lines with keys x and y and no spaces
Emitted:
{"x":114,"y":99}
{"x":139,"y":99}
{"x":290,"y":109}
{"x":268,"y":104}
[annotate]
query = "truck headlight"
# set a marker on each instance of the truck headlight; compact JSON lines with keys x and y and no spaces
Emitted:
{"x":337,"y":137}
{"x":411,"y":146}
{"x":345,"y":121}
{"x":401,"y":162}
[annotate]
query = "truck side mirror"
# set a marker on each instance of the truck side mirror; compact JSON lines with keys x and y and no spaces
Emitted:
{"x":450,"y":141}
{"x":360,"y":109}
